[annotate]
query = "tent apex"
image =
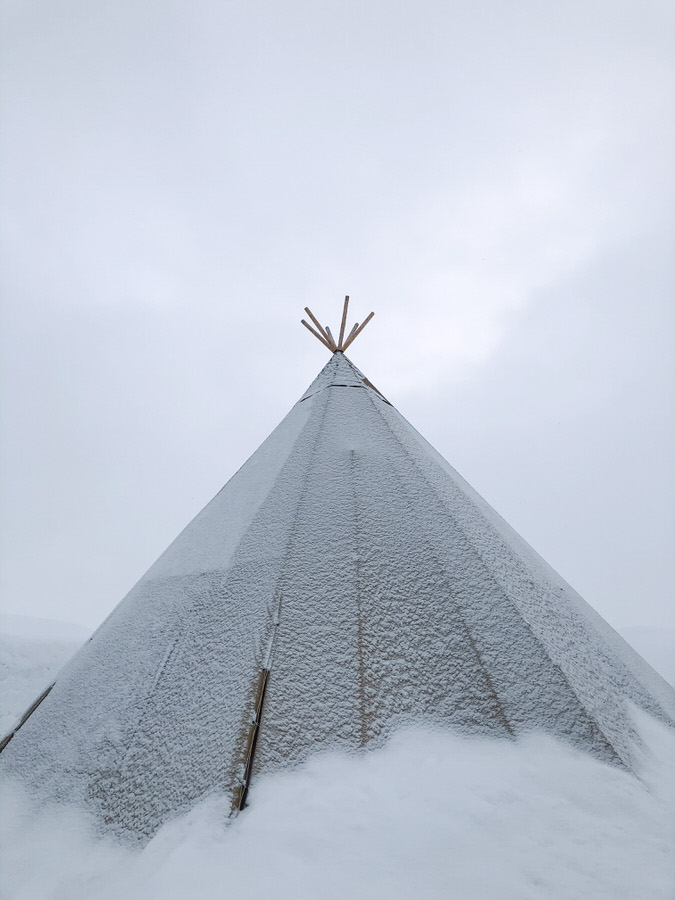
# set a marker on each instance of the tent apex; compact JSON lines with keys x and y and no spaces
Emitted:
{"x":324,"y":334}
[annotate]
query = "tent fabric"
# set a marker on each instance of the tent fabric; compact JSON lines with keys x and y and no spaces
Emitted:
{"x":349,"y":559}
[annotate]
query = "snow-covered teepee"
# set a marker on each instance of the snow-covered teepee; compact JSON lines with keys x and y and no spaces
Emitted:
{"x":344,"y":583}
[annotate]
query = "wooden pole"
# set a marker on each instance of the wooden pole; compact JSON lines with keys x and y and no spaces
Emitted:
{"x":318,"y":324}
{"x":352,"y":337}
{"x":316,"y":334}
{"x":331,"y":339}
{"x":354,"y":328}
{"x":344,"y":322}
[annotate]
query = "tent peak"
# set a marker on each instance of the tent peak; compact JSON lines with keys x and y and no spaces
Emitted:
{"x":325,"y":335}
{"x":340,"y":372}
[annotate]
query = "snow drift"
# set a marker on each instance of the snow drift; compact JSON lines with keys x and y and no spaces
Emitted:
{"x":429,"y":816}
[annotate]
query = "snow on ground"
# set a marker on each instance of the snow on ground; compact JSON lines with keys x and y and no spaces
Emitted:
{"x":429,"y":816}
{"x":31,"y":653}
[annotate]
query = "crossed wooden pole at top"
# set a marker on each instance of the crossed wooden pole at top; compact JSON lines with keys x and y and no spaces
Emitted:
{"x":325,"y":336}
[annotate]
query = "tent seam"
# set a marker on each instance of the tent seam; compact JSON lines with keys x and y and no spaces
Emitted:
{"x":502,"y":588}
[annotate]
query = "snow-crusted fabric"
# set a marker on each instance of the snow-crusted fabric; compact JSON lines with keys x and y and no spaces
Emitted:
{"x":378,"y":588}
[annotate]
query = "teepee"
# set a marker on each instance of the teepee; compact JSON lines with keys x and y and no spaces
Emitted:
{"x":344,"y":583}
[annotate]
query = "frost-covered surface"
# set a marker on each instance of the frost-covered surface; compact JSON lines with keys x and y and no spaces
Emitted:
{"x":431,"y":816}
{"x":401,"y":599}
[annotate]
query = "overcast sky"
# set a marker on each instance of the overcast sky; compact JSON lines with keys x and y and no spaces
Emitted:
{"x":180,"y":179}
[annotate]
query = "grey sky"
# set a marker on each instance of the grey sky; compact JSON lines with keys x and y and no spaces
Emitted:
{"x":181,"y":179}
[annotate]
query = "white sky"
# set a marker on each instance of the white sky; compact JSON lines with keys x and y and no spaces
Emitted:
{"x":180,"y":179}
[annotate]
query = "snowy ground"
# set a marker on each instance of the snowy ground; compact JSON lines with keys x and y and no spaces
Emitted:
{"x":430,"y":816}
{"x":31,"y":653}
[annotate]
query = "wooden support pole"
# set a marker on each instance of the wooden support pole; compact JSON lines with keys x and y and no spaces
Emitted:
{"x":344,"y":322}
{"x":24,"y":718}
{"x":355,"y":328}
{"x":318,"y":324}
{"x":334,"y":346}
{"x":352,"y":337}
{"x":239,"y":801}
{"x":325,"y":335}
{"x":316,"y":334}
